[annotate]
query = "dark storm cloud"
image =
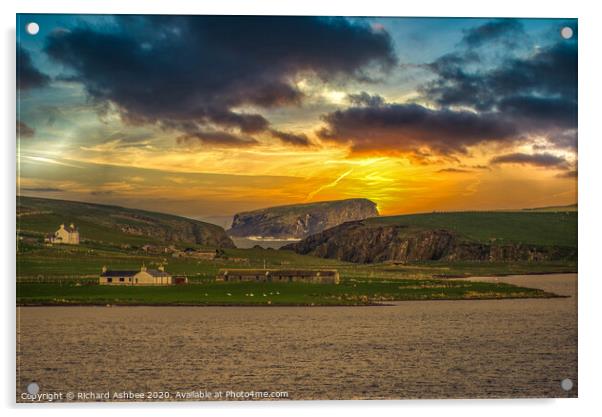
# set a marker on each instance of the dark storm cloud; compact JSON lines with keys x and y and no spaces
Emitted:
{"x":508,"y":31}
{"x":174,"y":69}
{"x":540,"y":112}
{"x":517,"y":98}
{"x":540,"y":160}
{"x":24,"y":131}
{"x":224,"y":139}
{"x":28,"y":76}
{"x":549,"y":73}
{"x":538,"y":92}
{"x":291,"y":138}
{"x":407,"y":128}
{"x":565,"y":140}
{"x":365,"y":99}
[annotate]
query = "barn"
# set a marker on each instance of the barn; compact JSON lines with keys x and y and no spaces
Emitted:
{"x":323,"y":276}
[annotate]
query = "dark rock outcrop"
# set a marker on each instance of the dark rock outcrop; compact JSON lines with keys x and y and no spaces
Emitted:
{"x":300,"y":220}
{"x":369,"y":243}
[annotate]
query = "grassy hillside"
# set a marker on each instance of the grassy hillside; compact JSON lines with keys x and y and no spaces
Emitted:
{"x":113,"y":225}
{"x":545,"y":228}
{"x":570,"y":207}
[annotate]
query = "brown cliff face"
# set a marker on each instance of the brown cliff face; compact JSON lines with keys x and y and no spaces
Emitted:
{"x":362,"y":243}
{"x":300,"y":220}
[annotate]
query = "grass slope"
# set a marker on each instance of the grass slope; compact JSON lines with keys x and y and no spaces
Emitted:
{"x":570,"y":207}
{"x":98,"y":223}
{"x":544,"y":228}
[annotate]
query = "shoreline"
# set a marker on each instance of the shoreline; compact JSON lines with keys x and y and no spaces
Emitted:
{"x":502,"y":274}
{"x":390,"y":303}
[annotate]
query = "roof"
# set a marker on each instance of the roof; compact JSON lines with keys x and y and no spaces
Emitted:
{"x":157,"y":273}
{"x":151,"y":272}
{"x":70,"y":229}
{"x":283,"y":272}
{"x":188,"y":250}
{"x":298,"y":272}
{"x":119,"y":273}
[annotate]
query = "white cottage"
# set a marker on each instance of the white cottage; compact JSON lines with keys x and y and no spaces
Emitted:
{"x":143,"y":277}
{"x":65,"y":235}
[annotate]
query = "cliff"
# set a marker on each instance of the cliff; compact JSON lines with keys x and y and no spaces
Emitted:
{"x":384,"y":240}
{"x":300,"y":220}
{"x":117,"y":225}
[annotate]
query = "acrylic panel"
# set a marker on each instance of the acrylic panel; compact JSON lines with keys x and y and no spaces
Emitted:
{"x":295,"y":208}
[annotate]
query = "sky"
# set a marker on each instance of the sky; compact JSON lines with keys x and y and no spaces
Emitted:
{"x":207,"y":116}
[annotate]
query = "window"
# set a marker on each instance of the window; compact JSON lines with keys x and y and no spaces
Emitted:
{"x":109,"y":279}
{"x":121,"y":279}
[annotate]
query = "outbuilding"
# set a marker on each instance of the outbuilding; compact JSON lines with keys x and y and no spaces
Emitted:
{"x":323,"y":276}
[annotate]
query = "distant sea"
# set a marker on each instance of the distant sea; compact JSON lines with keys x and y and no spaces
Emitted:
{"x":246,"y":242}
{"x":249,"y":242}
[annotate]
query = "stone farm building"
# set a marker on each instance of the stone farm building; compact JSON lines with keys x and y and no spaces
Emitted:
{"x":324,"y":276}
{"x":196,"y":253}
{"x":65,"y":235}
{"x":144,"y":276}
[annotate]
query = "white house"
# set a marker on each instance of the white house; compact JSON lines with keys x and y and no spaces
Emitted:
{"x":143,"y":277}
{"x":65,"y":235}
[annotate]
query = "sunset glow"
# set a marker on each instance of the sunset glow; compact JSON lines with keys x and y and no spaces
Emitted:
{"x":390,"y":123}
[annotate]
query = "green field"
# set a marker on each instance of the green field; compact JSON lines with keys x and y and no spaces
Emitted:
{"x":350,"y":292}
{"x":544,"y":228}
{"x":570,"y":207}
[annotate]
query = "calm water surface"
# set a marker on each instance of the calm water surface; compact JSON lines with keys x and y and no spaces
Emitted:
{"x":421,"y":349}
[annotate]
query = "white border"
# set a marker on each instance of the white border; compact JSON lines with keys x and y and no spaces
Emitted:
{"x":590,"y":151}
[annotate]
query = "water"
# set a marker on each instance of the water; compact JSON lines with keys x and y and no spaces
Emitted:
{"x":423,"y":349}
{"x":247,"y":243}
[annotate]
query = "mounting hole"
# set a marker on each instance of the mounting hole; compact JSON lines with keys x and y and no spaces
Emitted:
{"x":33,"y":388}
{"x":566,"y":32}
{"x":566,"y":384}
{"x":32,"y":28}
